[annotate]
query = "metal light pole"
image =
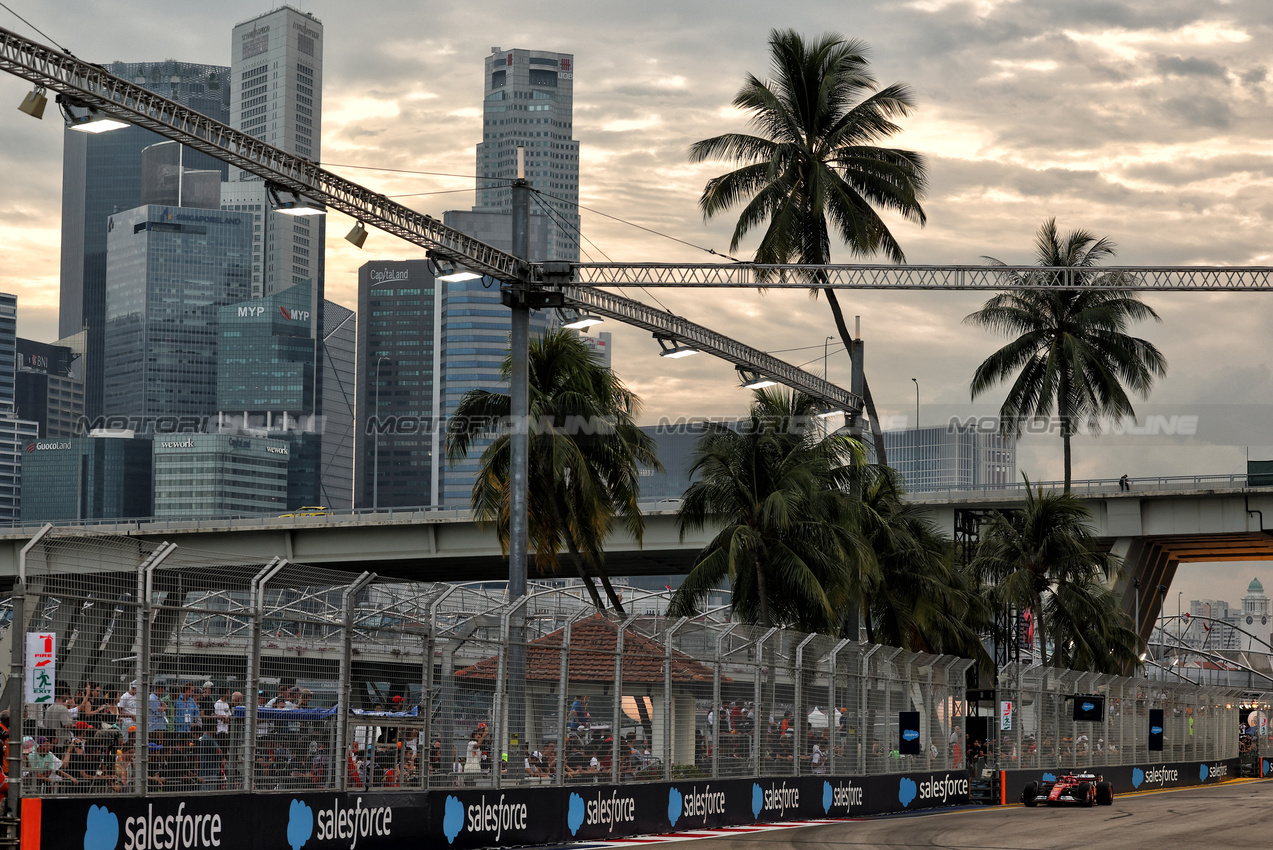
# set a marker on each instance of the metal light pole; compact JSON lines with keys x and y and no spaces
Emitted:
{"x":375,"y":463}
{"x":824,"y":356}
{"x":1162,"y":623}
{"x":916,"y":381}
{"x":519,"y":458}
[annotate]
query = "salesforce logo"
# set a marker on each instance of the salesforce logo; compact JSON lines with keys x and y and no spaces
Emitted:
{"x":1087,"y":706}
{"x":910,"y":734}
{"x":1155,"y":730}
{"x":906,"y":791}
{"x":101,"y":829}
{"x":153,"y":832}
{"x":498,"y":817}
{"x":300,"y":824}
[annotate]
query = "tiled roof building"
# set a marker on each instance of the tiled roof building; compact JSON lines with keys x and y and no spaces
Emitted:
{"x":592,"y":648}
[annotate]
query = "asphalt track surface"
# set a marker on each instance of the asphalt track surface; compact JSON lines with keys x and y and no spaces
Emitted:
{"x":1219,"y":816}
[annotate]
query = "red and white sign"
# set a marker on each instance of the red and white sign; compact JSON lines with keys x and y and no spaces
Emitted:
{"x":41,"y":667}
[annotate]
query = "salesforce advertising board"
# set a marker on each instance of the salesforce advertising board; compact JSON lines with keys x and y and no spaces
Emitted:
{"x":231,"y":822}
{"x":1127,"y":779}
{"x":470,"y":818}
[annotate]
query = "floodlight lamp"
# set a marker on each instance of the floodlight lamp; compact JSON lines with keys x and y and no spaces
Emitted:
{"x":91,"y":121}
{"x":450,"y":271}
{"x":573,"y":319}
{"x":358,"y":236}
{"x":750,"y":379}
{"x":827,"y":414}
{"x":673,"y":349}
{"x":295,"y":205}
{"x":35,"y":101}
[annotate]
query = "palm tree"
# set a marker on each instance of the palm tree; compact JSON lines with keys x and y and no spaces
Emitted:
{"x":1071,"y":349}
{"x":922,"y":600}
{"x":1045,"y":558}
{"x":814,"y":160}
{"x":585,"y":451}
{"x":779,"y":491}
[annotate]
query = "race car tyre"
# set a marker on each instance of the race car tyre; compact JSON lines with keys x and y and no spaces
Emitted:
{"x":1104,"y":794}
{"x":1029,"y":794}
{"x":1085,"y":794}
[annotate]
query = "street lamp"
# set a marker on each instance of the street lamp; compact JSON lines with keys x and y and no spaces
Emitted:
{"x":375,"y":468}
{"x":824,"y":358}
{"x":916,"y":381}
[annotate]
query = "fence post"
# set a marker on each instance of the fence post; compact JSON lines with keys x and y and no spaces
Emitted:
{"x":834,"y":732}
{"x":616,"y":723}
{"x":345,"y":684}
{"x":250,"y":700}
{"x":801,"y":717}
{"x":17,"y":669}
{"x":145,"y":593}
{"x":563,"y":721}
{"x":761,"y":672}
{"x":715,"y":730}
{"x":864,"y":707}
{"x":669,"y":636}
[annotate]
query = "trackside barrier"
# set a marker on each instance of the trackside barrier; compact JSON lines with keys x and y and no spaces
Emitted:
{"x":469,"y":818}
{"x":1149,"y":776}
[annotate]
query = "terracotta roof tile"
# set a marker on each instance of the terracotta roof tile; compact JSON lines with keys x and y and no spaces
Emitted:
{"x":592,"y":647}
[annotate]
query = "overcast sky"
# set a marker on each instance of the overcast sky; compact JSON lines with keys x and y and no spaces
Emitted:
{"x":1146,"y":121}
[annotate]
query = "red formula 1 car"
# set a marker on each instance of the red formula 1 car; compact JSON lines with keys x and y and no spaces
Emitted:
{"x":1080,"y":789}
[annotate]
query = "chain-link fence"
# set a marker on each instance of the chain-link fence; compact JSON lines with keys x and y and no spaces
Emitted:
{"x":362,"y":682}
{"x":1042,"y":708}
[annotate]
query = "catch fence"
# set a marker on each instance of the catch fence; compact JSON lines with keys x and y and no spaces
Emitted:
{"x":1036,"y":725}
{"x":365,"y":682}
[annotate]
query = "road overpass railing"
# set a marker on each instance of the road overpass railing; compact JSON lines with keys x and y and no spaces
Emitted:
{"x":302,"y":516}
{"x":1093,"y":487}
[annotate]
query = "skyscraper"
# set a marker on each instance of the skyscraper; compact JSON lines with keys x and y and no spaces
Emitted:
{"x":276,"y":69}
{"x":397,"y":450}
{"x":169,"y":269}
{"x":15,"y":434}
{"x":528,"y":100}
{"x":931,"y":459}
{"x":101,"y":175}
{"x":339,"y":371}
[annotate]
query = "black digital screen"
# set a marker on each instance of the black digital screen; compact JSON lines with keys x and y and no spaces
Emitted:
{"x":1089,"y":707}
{"x":908,"y":733}
{"x":1155,"y":729}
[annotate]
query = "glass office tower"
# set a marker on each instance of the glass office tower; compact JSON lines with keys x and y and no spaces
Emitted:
{"x":169,"y":269}
{"x":101,"y":176}
{"x":84,"y":478}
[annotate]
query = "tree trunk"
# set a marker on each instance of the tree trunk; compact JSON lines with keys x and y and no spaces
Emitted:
{"x":877,"y":436}
{"x":559,"y":516}
{"x":1038,"y":627}
{"x":762,"y":591}
{"x":870,"y":625}
{"x":1063,"y":410}
{"x":610,"y":594}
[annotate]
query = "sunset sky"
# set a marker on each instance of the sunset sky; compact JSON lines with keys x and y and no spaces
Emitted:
{"x":1147,"y":122}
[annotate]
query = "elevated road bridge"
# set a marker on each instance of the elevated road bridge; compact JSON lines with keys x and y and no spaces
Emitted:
{"x":1156,"y":526}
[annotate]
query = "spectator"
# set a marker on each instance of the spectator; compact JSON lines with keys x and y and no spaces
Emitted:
{"x":187,"y":711}
{"x":77,"y":762}
{"x":221,"y":709}
{"x":57,"y":719}
{"x":156,"y":715}
{"x":211,"y":759}
{"x":128,"y":705}
{"x":577,"y":713}
{"x":207,"y":704}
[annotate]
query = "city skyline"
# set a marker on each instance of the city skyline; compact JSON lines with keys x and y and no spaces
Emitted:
{"x":1160,"y":149}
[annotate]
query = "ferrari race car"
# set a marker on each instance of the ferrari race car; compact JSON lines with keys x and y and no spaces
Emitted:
{"x":1081,"y":789}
